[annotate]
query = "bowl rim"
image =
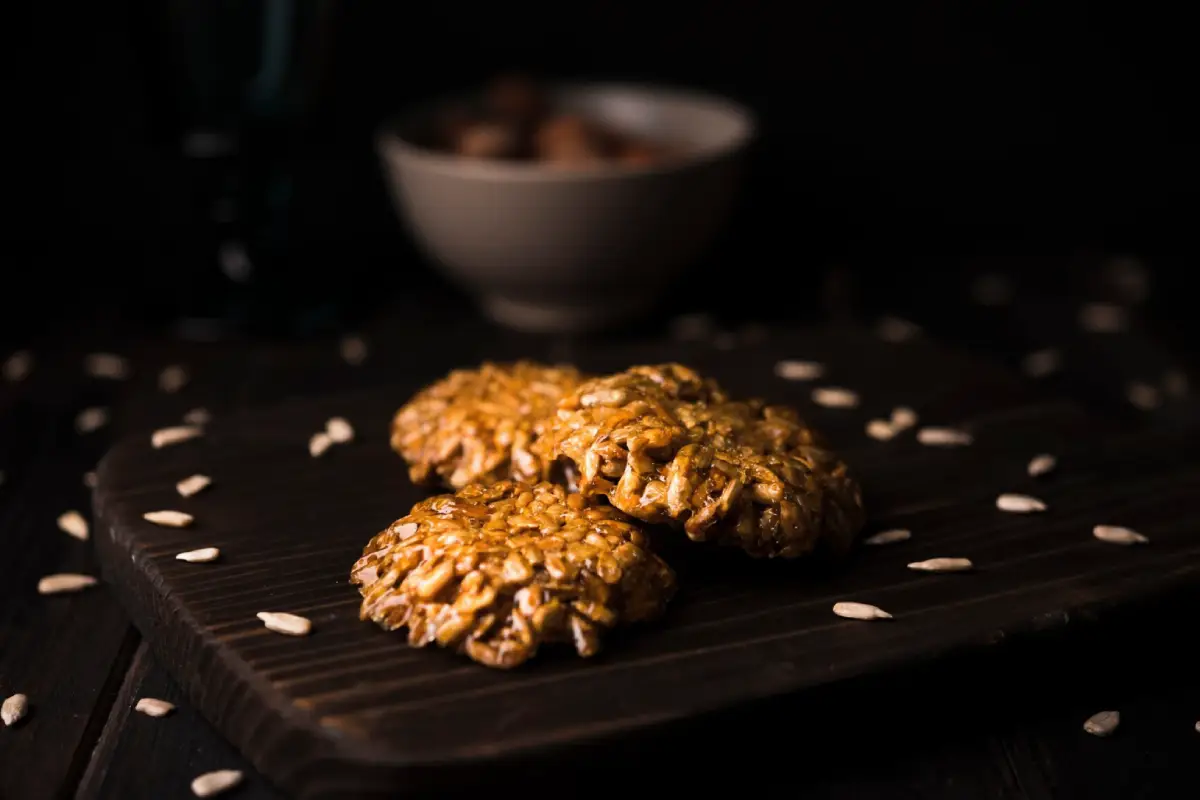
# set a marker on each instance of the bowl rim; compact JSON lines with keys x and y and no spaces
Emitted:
{"x":389,"y":140}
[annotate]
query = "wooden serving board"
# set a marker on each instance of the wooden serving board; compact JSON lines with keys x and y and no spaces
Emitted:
{"x":351,"y":711}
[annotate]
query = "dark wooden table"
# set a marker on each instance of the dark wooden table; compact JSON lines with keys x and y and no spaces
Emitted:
{"x":83,"y":666}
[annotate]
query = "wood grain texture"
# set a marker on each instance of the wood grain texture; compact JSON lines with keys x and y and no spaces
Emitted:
{"x":352,"y":711}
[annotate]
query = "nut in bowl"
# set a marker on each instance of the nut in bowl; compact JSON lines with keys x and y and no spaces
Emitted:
{"x":570,"y":209}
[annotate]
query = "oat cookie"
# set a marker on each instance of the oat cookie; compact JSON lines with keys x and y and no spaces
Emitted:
{"x":478,"y":424}
{"x":666,"y":446}
{"x":496,"y":571}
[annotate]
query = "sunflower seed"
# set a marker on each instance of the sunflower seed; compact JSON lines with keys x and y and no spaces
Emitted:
{"x":197,"y":416}
{"x":791,"y":370}
{"x":290,"y":624}
{"x":944,"y":437}
{"x":89,"y":479}
{"x":339,"y":430}
{"x":14,"y":709}
{"x":992,"y":289}
{"x":889,"y":537}
{"x":942,"y":565}
{"x":859,"y":611}
{"x":1103,"y":318}
{"x":202,"y":556}
{"x":1115,"y":534}
{"x":319,"y":443}
{"x":164,"y":437}
{"x":1042,"y":363}
{"x":168,"y":518}
{"x":1102,"y":723}
{"x":91,"y":419}
{"x":18,"y":366}
{"x":895,"y":330}
{"x":153,"y":707}
{"x":1143,"y":396}
{"x":1175,"y":383}
{"x":1041,"y":464}
{"x":353,"y":350}
{"x":880,"y":429}
{"x":106,"y":365}
{"x":65,"y":582}
{"x":834,"y":397}
{"x":74,"y":525}
{"x":691,"y":327}
{"x":213,"y":783}
{"x":190,"y":486}
{"x":172,"y":379}
{"x":903,"y":417}
{"x":1019,"y":503}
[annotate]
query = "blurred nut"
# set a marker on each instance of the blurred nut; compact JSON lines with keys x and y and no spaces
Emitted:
{"x":488,"y":140}
{"x":516,"y":98}
{"x":571,"y":139}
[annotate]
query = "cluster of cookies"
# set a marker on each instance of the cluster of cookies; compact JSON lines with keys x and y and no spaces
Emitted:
{"x":556,"y":472}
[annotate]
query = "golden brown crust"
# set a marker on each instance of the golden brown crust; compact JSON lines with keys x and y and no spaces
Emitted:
{"x":666,"y":446}
{"x":495,"y":571}
{"x":478,"y":424}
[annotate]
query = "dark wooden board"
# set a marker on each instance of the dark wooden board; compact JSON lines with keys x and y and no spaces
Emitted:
{"x":352,"y":711}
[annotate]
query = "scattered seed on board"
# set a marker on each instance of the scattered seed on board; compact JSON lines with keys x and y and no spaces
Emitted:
{"x":903,"y":417}
{"x":202,"y":556}
{"x":213,"y":783}
{"x":859,"y":611}
{"x":992,"y":289}
{"x":889,"y":537}
{"x":1041,"y":465}
{"x":197,"y":416}
{"x":1019,"y":504}
{"x":943,"y":437}
{"x":153,"y":707}
{"x":834,"y":397}
{"x":319,"y":443}
{"x":14,"y":709}
{"x":190,"y":486}
{"x":109,"y":366}
{"x":339,"y":430}
{"x":18,"y":366}
{"x":895,"y":330}
{"x":172,"y":379}
{"x":91,"y":419}
{"x":164,"y":437}
{"x":1103,"y":318}
{"x":791,"y":370}
{"x":65,"y":582}
{"x":942,"y":565}
{"x":1143,"y":396}
{"x":1042,"y":363}
{"x":1175,"y":383}
{"x":281,"y":622}
{"x":74,"y":525}
{"x":168,"y":518}
{"x":89,"y":479}
{"x":1115,"y":534}
{"x":1103,"y":723}
{"x":881,"y":429}
{"x":353,"y":350}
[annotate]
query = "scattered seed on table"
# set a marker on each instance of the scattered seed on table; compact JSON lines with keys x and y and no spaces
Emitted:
{"x":197,"y":416}
{"x":1143,"y":396}
{"x":942,"y":565}
{"x":339,"y":430}
{"x":353,"y":350}
{"x":859,"y":611}
{"x":1115,"y":534}
{"x":89,"y":479}
{"x":895,"y":330}
{"x":1175,"y":383}
{"x":1042,"y":363}
{"x":834,"y":397}
{"x":109,"y":366}
{"x":282,"y":622}
{"x":903,"y":417}
{"x":213,"y":783}
{"x":190,"y":486}
{"x":14,"y":709}
{"x":153,"y":707}
{"x":944,"y":437}
{"x":1103,"y":318}
{"x":18,"y":366}
{"x":164,"y":437}
{"x":168,"y":518}
{"x":74,"y":525}
{"x":172,"y":378}
{"x":992,"y":289}
{"x":1041,"y":465}
{"x":319,"y":443}
{"x":889,"y":537}
{"x":91,"y":419}
{"x":65,"y":582}
{"x":880,"y":429}
{"x":202,"y":556}
{"x":791,"y":370}
{"x":1019,"y":504}
{"x":1103,"y":723}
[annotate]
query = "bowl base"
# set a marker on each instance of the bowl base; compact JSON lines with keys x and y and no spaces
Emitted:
{"x":551,"y":317}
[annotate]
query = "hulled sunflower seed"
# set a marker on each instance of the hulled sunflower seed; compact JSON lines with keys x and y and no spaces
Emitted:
{"x":213,"y":783}
{"x":165,"y":437}
{"x":1042,"y":363}
{"x":851,"y":610}
{"x":65,"y":582}
{"x":1175,"y":383}
{"x":1103,"y":318}
{"x":18,"y":366}
{"x":1103,"y":723}
{"x":895,"y":330}
{"x":1041,"y":465}
{"x":942,"y":565}
{"x":1019,"y":504}
{"x":318,"y":443}
{"x":74,"y":525}
{"x":91,"y":419}
{"x":339,"y":430}
{"x":889,"y":537}
{"x":190,"y":486}
{"x":1143,"y":396}
{"x":944,"y":437}
{"x":153,"y":707}
{"x":903,"y":417}
{"x":106,"y":365}
{"x":880,"y":429}
{"x":168,"y":518}
{"x":282,"y":622}
{"x":992,"y":289}
{"x":172,"y":379}
{"x":353,"y":350}
{"x":89,"y":479}
{"x":1115,"y":534}
{"x":197,"y":416}
{"x":14,"y":709}
{"x":834,"y":397}
{"x":202,"y":556}
{"x":792,"y":370}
